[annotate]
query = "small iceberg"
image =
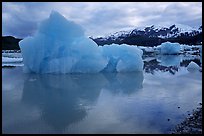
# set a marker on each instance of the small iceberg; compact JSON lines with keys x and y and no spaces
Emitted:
{"x":169,"y":48}
{"x":193,"y":67}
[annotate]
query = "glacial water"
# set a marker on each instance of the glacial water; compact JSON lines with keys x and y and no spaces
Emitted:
{"x":152,"y":101}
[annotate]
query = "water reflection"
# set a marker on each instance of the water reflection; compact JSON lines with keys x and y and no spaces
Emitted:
{"x":153,"y":66}
{"x":63,"y":99}
{"x":97,"y":103}
{"x":169,"y":60}
{"x":124,"y":83}
{"x":169,"y":63}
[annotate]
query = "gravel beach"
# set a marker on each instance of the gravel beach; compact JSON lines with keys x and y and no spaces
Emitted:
{"x":192,"y":124}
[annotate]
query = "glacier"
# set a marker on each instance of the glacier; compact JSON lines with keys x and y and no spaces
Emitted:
{"x":60,"y":46}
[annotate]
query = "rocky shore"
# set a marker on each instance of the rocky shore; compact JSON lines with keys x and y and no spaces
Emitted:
{"x":192,"y":124}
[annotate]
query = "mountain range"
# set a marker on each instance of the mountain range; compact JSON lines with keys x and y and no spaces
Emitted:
{"x":148,"y":36}
{"x":154,"y":35}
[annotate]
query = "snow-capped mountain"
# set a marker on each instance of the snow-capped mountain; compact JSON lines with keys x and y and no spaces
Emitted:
{"x":154,"y":34}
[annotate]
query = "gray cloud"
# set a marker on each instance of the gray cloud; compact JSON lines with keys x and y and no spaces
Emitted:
{"x":21,"y":19}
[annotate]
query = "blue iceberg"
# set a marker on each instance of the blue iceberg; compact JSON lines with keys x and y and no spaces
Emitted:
{"x":169,"y":48}
{"x":60,"y":46}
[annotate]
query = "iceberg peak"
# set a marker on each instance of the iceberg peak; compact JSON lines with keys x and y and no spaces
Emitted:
{"x":57,"y":26}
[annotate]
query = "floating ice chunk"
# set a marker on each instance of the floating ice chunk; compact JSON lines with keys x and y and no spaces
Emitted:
{"x":169,"y":48}
{"x":6,"y":61}
{"x":147,"y":49}
{"x":185,"y":47}
{"x":123,"y":58}
{"x":60,"y":46}
{"x":10,"y":60}
{"x":192,"y":67}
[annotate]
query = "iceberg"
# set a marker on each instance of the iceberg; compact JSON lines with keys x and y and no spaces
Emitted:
{"x":60,"y":46}
{"x":169,"y":48}
{"x":123,"y":58}
{"x":193,"y":67}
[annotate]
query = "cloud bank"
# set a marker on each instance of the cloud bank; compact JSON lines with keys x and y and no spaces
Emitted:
{"x":21,"y":19}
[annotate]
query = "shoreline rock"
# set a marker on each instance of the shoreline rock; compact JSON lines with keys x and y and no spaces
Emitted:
{"x":192,"y":124}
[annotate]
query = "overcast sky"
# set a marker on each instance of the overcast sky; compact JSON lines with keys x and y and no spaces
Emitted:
{"x":21,"y":19}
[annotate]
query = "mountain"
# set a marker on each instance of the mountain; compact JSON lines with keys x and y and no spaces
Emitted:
{"x":10,"y":43}
{"x":154,"y":35}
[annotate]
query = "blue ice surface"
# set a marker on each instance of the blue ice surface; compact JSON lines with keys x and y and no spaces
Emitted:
{"x":169,"y":48}
{"x":60,"y":46}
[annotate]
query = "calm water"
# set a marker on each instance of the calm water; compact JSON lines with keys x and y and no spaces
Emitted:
{"x":139,"y":102}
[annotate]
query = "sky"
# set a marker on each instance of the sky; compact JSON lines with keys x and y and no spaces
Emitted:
{"x":21,"y":19}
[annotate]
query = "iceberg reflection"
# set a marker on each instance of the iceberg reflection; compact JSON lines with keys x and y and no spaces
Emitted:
{"x":169,"y":63}
{"x":169,"y":60}
{"x":64,"y":99}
